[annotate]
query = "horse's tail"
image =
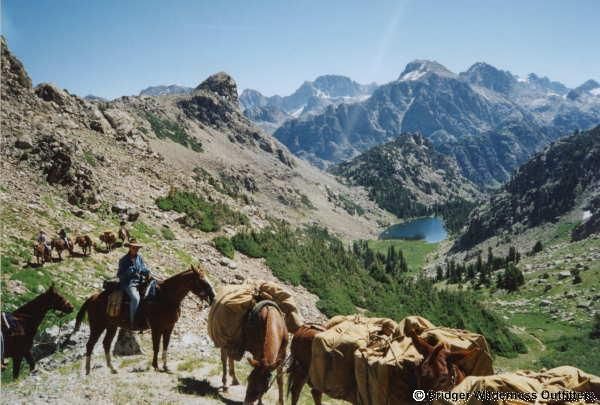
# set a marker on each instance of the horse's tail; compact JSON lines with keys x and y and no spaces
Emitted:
{"x":81,"y":314}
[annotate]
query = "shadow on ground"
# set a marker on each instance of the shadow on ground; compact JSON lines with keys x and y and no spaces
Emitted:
{"x":203,"y":388}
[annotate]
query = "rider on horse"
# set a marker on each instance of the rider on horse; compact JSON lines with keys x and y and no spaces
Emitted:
{"x":132,"y":272}
{"x":63,"y":235}
{"x":43,"y":238}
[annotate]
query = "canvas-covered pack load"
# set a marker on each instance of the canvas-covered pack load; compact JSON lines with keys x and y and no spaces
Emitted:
{"x":478,"y":364}
{"x":385,"y":368}
{"x":230,"y":309}
{"x":332,"y":362}
{"x":560,"y":385}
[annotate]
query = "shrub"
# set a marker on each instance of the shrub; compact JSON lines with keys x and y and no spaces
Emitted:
{"x":342,"y":280}
{"x":246,"y":244}
{"x":225,"y":246}
{"x":201,"y":214}
{"x":164,"y":128}
{"x":167,"y":233}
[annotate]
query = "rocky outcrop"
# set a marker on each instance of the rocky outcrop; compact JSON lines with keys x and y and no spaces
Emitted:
{"x":14,"y":77}
{"x":223,"y":85}
{"x":408,"y":177}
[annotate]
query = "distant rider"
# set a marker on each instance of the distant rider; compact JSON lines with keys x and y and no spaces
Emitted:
{"x":132,"y":272}
{"x":63,"y":235}
{"x":43,"y":238}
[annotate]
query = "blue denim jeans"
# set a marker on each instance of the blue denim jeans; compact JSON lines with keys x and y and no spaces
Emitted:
{"x":134,"y":301}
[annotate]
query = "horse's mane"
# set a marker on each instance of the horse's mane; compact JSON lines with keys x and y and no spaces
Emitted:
{"x":175,"y":277}
{"x":29,"y":307}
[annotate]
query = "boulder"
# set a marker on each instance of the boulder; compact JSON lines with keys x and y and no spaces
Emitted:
{"x":24,"y":142}
{"x":49,"y":92}
{"x":545,"y":303}
{"x":564,"y":274}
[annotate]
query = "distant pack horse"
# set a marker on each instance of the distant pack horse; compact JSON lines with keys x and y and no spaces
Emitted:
{"x":109,"y":239}
{"x":85,"y":243}
{"x":161,"y":314}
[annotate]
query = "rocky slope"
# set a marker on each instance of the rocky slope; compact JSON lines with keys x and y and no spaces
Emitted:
{"x":78,"y":146}
{"x":487,"y":119}
{"x":71,"y":163}
{"x":566,"y":175}
{"x":408,"y":177}
{"x":310,"y":98}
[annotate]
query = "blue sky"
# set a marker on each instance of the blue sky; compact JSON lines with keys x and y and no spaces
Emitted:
{"x":111,"y":48}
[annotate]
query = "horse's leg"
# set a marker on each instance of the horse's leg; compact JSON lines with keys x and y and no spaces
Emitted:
{"x":155,"y":347}
{"x":280,"y":383}
{"x":17,"y":366}
{"x":166,"y":339}
{"x":108,"y":338}
{"x":94,"y":336}
{"x":232,"y":371}
{"x":30,"y":360}
{"x":224,"y":363}
{"x":296,"y":383}
{"x":317,"y":396}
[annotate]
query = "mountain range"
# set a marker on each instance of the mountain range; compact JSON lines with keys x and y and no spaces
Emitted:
{"x":310,"y":98}
{"x":489,"y":120}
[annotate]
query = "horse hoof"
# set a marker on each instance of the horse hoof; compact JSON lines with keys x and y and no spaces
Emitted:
{"x":166,"y":369}
{"x":113,"y":371}
{"x":235,"y":382}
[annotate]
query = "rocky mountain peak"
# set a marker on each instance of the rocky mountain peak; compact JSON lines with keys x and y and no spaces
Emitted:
{"x":420,"y":68}
{"x":222,"y":84}
{"x":546,"y":84}
{"x":490,"y":77}
{"x":589,"y":85}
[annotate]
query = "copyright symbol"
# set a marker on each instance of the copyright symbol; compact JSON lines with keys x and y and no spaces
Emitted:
{"x":418,"y":395}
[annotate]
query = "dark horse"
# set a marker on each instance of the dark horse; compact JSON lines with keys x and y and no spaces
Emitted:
{"x":161,"y":314}
{"x":266,"y":338}
{"x":85,"y":243}
{"x":438,"y":371}
{"x":59,"y":244}
{"x":29,"y":317}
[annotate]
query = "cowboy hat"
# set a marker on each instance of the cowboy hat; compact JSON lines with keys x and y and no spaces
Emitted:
{"x":133,"y":243}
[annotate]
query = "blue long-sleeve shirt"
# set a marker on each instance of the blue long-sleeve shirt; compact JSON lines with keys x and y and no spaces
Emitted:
{"x":131,"y":270}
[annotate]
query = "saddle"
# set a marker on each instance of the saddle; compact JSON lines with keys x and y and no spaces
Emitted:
{"x":11,"y":325}
{"x":252,"y":319}
{"x":118,"y":301}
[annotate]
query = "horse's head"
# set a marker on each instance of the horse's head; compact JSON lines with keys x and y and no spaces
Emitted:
{"x":258,"y":380}
{"x":201,"y":286}
{"x":57,"y":301}
{"x":439,"y":370}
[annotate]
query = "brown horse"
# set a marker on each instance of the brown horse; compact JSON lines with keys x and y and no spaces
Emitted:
{"x":29,"y":317}
{"x":85,"y":243}
{"x":42,"y":254}
{"x":123,"y":235}
{"x":439,"y":370}
{"x":109,"y":239}
{"x":266,"y":338}
{"x":59,"y":245}
{"x":301,"y":355}
{"x":161,"y":314}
